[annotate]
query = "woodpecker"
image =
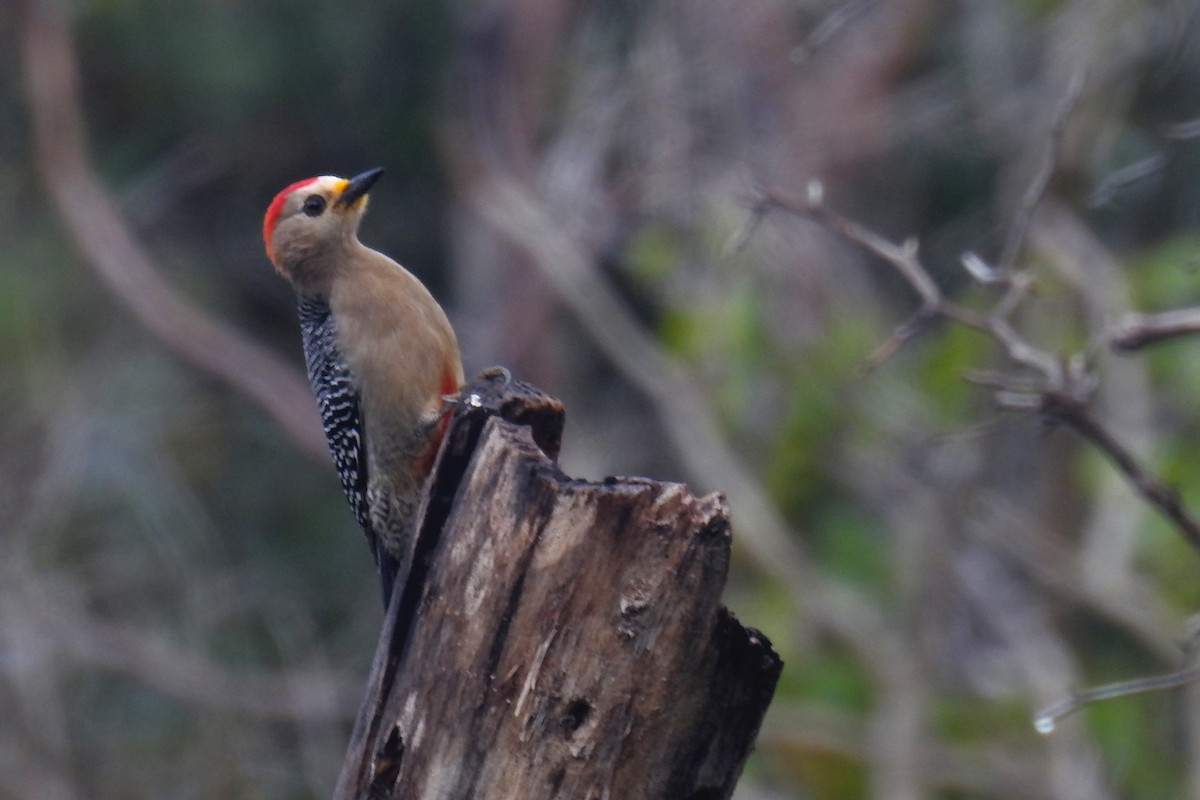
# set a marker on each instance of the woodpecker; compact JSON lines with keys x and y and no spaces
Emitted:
{"x":382,"y":358}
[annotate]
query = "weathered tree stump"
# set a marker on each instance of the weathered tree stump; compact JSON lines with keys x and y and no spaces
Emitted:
{"x":556,"y":637}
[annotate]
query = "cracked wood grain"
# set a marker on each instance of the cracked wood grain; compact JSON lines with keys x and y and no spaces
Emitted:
{"x":558,"y":637}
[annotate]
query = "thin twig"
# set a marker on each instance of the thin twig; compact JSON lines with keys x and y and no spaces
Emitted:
{"x":1048,"y":718}
{"x":903,"y":256}
{"x":1157,"y":493}
{"x":1134,"y":331}
{"x":1041,"y":181}
{"x":1059,"y":387}
{"x":1143,"y":168}
{"x":1128,"y":175}
{"x":900,"y":336}
{"x":1182,"y":131}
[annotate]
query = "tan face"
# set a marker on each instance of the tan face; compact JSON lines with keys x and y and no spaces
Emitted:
{"x":308,"y":221}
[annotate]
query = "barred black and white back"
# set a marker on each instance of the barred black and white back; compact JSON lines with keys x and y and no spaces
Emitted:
{"x":341,"y":416}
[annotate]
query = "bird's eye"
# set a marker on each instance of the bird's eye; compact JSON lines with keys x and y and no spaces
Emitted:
{"x":314,"y":205}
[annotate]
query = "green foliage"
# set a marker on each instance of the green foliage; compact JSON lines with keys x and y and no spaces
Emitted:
{"x":1167,"y":275}
{"x":963,"y":720}
{"x":1162,"y":552}
{"x":952,"y":352}
{"x":652,"y":256}
{"x":853,"y":547}
{"x":824,"y":775}
{"x":832,"y":679}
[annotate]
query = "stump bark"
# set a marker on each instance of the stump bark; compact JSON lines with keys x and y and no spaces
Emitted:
{"x":557,"y":637}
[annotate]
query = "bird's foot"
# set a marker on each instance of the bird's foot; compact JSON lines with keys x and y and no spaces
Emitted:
{"x":472,"y":399}
{"x":492,"y":373}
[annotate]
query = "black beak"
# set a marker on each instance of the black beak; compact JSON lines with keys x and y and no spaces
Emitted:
{"x":359,"y":185}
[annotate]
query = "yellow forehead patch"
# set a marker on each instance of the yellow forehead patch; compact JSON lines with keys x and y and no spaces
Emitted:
{"x":338,"y":185}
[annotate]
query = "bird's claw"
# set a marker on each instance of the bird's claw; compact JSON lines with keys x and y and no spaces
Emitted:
{"x":491,"y":373}
{"x":473,"y":400}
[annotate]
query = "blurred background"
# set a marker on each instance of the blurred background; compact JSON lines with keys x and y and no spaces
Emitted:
{"x":186,"y":607}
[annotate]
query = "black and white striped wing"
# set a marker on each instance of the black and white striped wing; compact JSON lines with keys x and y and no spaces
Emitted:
{"x":339,"y":404}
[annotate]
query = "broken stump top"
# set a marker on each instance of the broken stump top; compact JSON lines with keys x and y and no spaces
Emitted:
{"x":557,"y":637}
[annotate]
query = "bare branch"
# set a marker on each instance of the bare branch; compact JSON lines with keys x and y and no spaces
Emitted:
{"x":902,"y":257}
{"x":1103,"y":194}
{"x":829,"y":27}
{"x":1158,"y":494}
{"x":55,"y":608}
{"x":1134,"y":331}
{"x":189,"y":677}
{"x":111,"y":249}
{"x":1060,"y":387}
{"x":1182,"y":131}
{"x":1143,"y":168}
{"x":903,"y":332}
{"x":1048,"y":718}
{"x":1041,"y":179}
